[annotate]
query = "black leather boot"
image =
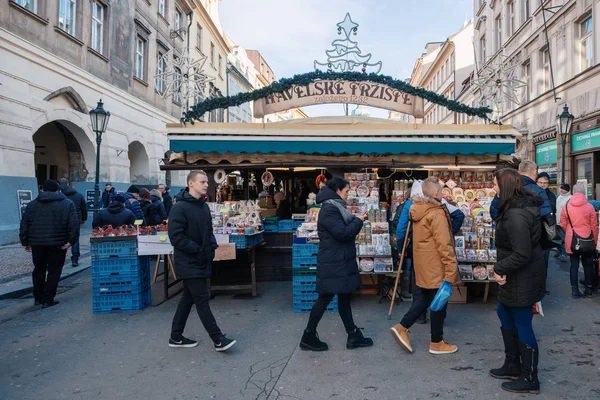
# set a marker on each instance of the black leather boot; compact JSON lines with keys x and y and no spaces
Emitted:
{"x":588,"y":292}
{"x":576,"y":294}
{"x":404,"y":287}
{"x":528,"y":381}
{"x":310,"y":341}
{"x":512,"y":363}
{"x":356,"y":339}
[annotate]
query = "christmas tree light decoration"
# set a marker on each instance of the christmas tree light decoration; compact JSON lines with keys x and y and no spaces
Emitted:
{"x":345,"y":55}
{"x":500,"y":86}
{"x":183,"y":76}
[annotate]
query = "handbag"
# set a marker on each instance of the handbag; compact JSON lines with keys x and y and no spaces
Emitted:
{"x":550,"y":234}
{"x":580,"y":245}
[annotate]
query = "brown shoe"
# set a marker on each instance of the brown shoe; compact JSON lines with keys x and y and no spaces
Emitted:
{"x":442,"y":347}
{"x":400,"y":334}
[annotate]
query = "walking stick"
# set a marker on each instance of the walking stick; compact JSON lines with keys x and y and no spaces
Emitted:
{"x":399,"y":268}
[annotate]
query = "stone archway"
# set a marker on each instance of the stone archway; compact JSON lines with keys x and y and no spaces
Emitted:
{"x":139,"y":165}
{"x":62,"y":150}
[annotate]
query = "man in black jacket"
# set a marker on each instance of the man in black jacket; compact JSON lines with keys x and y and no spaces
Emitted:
{"x":107,"y":196}
{"x":190,"y":232}
{"x":166,"y":197}
{"x":82,"y":213}
{"x":115,"y":215}
{"x":48,"y":228}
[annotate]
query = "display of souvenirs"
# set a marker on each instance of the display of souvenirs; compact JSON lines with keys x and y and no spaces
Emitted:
{"x":236,"y":217}
{"x":492,"y":255}
{"x":382,"y":265}
{"x":461,"y":255}
{"x":471,"y":255}
{"x":480,"y":273}
{"x":366,"y":265}
{"x":490,"y":269}
{"x":466,"y":272}
{"x":482,"y":256}
{"x":459,"y":242}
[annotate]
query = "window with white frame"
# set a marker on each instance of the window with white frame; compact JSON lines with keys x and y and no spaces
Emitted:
{"x":30,"y":5}
{"x":161,"y":67}
{"x":586,"y":43}
{"x":498,"y":31}
{"x":220,"y":66}
{"x":66,"y":16}
{"x":140,"y":57}
{"x":510,"y":18}
{"x":178,"y":17}
{"x":482,"y":49}
{"x":177,"y":94}
{"x":527,"y":79}
{"x":545,"y":69}
{"x":98,"y":27}
{"x":212,"y":54}
{"x":162,"y":7}
{"x":199,"y":37}
{"x":526,"y":10}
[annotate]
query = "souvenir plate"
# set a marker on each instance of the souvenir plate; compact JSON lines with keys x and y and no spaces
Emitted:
{"x":446,"y":191}
{"x":470,"y":194}
{"x":480,"y":194}
{"x":362,"y":191}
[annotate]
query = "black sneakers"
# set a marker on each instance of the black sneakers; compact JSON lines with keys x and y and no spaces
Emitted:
{"x":50,"y":304}
{"x":224,"y":344}
{"x":183,"y":342}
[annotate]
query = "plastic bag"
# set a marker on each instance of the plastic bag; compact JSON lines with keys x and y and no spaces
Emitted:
{"x":538,"y":309}
{"x":441,"y":297}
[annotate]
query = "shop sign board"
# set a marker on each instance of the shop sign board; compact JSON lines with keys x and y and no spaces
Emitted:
{"x":585,"y":140}
{"x":545,"y":153}
{"x":24,"y":197}
{"x":340,"y":91}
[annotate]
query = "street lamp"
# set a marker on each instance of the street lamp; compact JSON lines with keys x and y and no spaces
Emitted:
{"x":564,"y":121}
{"x":99,"y":118}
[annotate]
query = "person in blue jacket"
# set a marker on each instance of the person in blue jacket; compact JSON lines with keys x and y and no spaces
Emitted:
{"x":528,"y":171}
{"x":457,"y":218}
{"x":132,"y":201}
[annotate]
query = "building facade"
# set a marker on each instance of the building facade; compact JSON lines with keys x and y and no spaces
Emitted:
{"x":241,"y":78}
{"x":555,"y":44}
{"x":59,"y":58}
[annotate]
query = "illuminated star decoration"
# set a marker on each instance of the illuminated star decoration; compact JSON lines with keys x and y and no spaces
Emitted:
{"x":500,"y":85}
{"x":346,"y":55}
{"x":183,"y":76}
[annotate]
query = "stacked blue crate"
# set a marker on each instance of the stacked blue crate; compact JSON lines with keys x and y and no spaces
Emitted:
{"x":120,"y":279}
{"x":304,"y":280}
{"x":246,"y":241}
{"x":287,"y":225}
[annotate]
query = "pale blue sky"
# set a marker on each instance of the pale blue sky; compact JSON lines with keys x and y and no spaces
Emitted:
{"x":291,"y":34}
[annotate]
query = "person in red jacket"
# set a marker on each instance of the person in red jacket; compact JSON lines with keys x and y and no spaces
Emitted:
{"x":580,"y":216}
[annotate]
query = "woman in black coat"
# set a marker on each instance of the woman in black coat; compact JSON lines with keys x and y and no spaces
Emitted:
{"x":521,"y":273}
{"x":337,"y":270}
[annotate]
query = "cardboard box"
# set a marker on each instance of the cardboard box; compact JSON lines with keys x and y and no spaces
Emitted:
{"x":458,"y":297}
{"x":225,"y":251}
{"x":266,"y":202}
{"x":264,"y":213}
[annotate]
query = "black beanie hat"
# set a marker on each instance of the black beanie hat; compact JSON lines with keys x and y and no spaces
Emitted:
{"x":543,"y":175}
{"x":51,"y":186}
{"x":566,"y":187}
{"x":133,"y":189}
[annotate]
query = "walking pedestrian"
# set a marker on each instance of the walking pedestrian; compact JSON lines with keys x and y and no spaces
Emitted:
{"x":543,"y":181}
{"x":434,"y":262}
{"x":132,"y":202}
{"x":561,"y":200}
{"x":578,"y":216}
{"x":115,"y":215}
{"x":48,"y":228}
{"x":166,"y":197}
{"x":191,"y":234}
{"x":107,"y":196}
{"x":82,"y":214}
{"x":337,"y":270}
{"x":521,"y":276}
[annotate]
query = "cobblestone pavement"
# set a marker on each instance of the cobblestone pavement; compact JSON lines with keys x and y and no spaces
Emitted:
{"x":16,"y":266}
{"x":66,"y":352}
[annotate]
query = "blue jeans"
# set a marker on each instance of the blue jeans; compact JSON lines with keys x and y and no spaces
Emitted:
{"x":563,"y":252}
{"x":75,"y":254}
{"x":519,"y":320}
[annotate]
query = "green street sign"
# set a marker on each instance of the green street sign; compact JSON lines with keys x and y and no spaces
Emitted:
{"x":545,"y":153}
{"x":585,"y":140}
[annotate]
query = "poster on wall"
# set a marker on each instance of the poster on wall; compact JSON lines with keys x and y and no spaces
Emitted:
{"x":89,"y":199}
{"x":24,"y":197}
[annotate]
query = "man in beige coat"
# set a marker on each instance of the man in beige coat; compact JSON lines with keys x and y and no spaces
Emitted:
{"x":434,"y":262}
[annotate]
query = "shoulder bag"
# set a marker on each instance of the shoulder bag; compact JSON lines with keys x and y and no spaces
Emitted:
{"x":580,"y":245}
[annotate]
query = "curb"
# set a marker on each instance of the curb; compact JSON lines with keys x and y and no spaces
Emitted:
{"x":22,"y":289}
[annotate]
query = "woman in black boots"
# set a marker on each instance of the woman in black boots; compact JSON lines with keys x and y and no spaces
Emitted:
{"x":521,"y":275}
{"x":337,"y":271}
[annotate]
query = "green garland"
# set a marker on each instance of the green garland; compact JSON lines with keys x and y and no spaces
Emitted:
{"x":197,"y":111}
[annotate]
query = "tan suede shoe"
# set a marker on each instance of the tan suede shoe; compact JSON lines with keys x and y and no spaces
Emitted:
{"x":442,"y":347}
{"x":400,"y":334}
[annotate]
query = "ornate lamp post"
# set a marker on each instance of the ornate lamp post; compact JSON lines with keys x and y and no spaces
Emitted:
{"x":564,"y":121}
{"x":99,"y":118}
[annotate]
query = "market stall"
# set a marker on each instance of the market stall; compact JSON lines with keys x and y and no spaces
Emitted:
{"x":388,"y":153}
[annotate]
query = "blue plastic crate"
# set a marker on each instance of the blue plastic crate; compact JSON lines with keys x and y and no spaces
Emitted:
{"x":303,"y":305}
{"x":304,"y":262}
{"x":120,"y":266}
{"x":299,"y":280}
{"x":112,"y":249}
{"x":271,"y":228}
{"x":244,"y":242}
{"x":112,"y":303}
{"x":304,"y":289}
{"x":305,"y":250}
{"x":121,"y":284}
{"x":309,"y":297}
{"x":298,"y":223}
{"x":303,"y":240}
{"x":307,"y":271}
{"x":287,"y":225}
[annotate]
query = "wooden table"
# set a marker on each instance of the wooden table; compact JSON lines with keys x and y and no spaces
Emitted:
{"x":251,"y":255}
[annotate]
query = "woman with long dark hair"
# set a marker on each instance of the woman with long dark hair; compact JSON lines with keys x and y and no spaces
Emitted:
{"x":337,"y":270}
{"x":521,"y":275}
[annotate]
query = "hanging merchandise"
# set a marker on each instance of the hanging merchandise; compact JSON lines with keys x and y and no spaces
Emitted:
{"x":267,"y":179}
{"x":220,"y":176}
{"x":321,"y":181}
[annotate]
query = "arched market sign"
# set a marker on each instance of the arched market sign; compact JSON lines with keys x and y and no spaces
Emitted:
{"x":335,"y":87}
